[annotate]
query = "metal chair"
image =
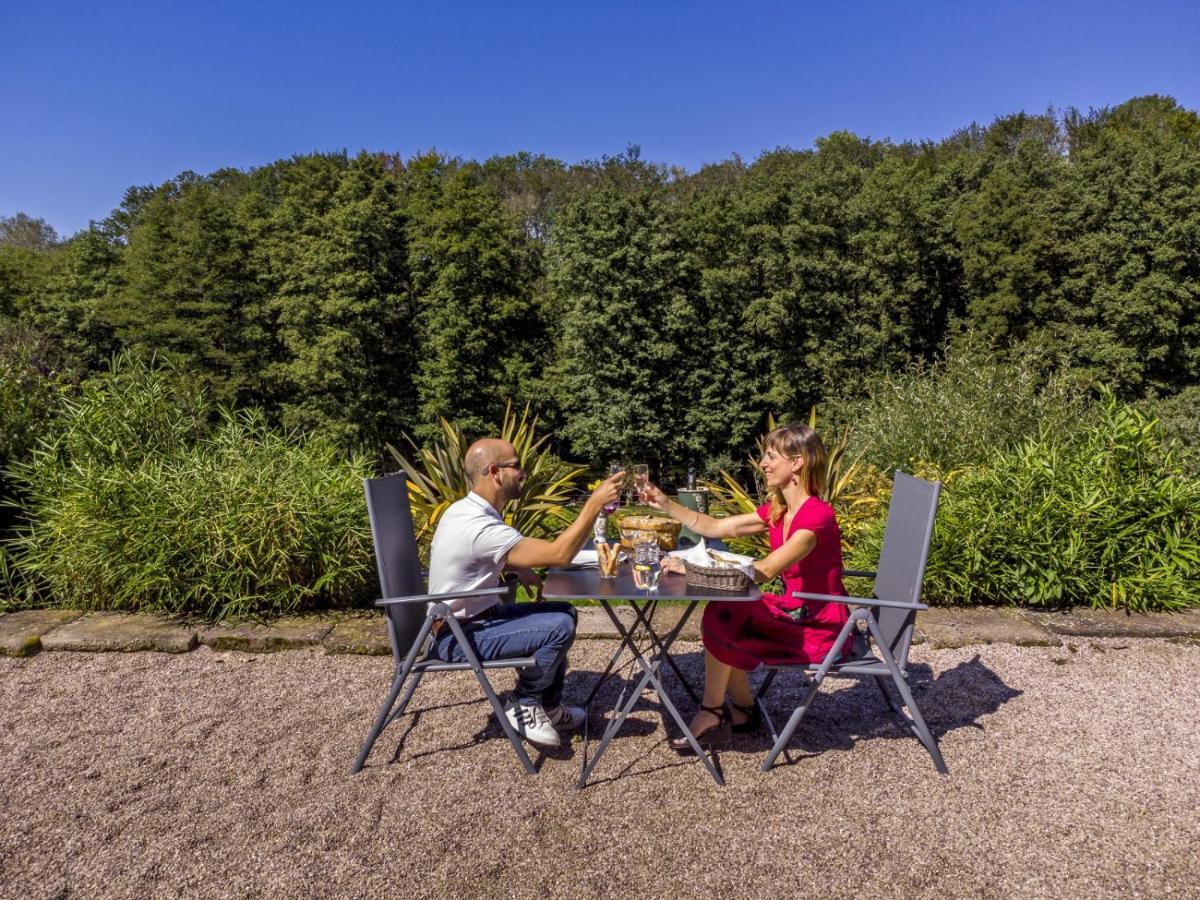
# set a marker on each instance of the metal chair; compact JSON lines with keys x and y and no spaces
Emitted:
{"x":888,"y":618}
{"x":411,"y":614}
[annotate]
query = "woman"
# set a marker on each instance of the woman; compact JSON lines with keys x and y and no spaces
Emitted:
{"x":806,"y":549}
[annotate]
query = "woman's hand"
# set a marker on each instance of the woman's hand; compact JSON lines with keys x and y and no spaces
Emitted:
{"x":652,"y":495}
{"x":672,"y":564}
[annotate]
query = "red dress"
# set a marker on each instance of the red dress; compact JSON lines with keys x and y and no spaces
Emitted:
{"x":743,"y":635}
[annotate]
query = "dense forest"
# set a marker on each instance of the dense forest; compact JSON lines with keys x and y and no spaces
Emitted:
{"x":642,"y":311}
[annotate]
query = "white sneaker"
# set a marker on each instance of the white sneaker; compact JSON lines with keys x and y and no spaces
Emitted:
{"x":566,"y":718}
{"x":532,"y":723}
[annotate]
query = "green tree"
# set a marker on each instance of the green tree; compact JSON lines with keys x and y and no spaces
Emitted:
{"x":618,"y":274}
{"x":334,"y":255}
{"x":480,"y":331}
{"x":187,"y":287}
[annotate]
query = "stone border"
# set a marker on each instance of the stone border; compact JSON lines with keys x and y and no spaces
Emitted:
{"x":27,"y":632}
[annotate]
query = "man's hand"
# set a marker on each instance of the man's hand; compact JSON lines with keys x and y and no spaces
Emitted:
{"x":530,"y":580}
{"x":609,"y":490}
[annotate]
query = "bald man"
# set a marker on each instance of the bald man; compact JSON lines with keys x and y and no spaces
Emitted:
{"x":472,"y":548}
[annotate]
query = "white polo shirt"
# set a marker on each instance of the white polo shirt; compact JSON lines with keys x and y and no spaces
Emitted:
{"x":468,"y":552}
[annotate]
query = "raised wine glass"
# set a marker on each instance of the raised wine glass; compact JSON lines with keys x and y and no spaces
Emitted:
{"x":610,"y":508}
{"x":641,"y":477}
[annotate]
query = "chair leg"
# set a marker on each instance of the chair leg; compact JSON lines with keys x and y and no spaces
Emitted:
{"x":914,"y":720}
{"x":789,"y":729}
{"x":881,"y":683}
{"x":798,"y":713}
{"x":766,"y":684}
{"x":497,"y":707}
{"x":403,"y":705}
{"x":381,"y":720}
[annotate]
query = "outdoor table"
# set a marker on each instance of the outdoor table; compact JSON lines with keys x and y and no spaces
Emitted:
{"x":586,"y":584}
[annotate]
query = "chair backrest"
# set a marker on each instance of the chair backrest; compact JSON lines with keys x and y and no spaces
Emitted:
{"x":902,"y":559}
{"x":396,"y":557}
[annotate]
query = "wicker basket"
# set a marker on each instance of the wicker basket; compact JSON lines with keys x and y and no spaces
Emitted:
{"x":720,"y":578}
{"x":666,"y":530}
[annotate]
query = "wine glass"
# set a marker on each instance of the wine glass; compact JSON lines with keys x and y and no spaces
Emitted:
{"x":610,"y":508}
{"x":641,"y":477}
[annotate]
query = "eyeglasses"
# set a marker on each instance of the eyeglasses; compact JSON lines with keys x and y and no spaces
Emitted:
{"x":511,"y":465}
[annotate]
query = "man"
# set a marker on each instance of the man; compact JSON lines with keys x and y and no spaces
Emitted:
{"x":471,"y":548}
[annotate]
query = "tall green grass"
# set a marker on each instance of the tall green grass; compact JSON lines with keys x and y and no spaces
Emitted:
{"x":1101,"y":515}
{"x":141,"y":504}
{"x":958,"y":411}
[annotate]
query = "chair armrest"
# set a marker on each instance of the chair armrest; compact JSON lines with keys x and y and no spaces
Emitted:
{"x":857,"y":573}
{"x":438,"y":598}
{"x":857,"y":601}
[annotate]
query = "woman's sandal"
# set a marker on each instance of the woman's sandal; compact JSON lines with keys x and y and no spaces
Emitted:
{"x":753,"y":721}
{"x":713,"y":735}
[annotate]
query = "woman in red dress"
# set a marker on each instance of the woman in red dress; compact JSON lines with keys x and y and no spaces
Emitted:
{"x":806,"y":551}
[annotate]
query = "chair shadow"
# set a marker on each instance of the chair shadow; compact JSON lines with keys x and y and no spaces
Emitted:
{"x":837,"y":719}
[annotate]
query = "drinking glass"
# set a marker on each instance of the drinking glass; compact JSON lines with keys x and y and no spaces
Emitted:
{"x":646,"y":562}
{"x":641,"y":477}
{"x":610,"y":508}
{"x":608,"y":556}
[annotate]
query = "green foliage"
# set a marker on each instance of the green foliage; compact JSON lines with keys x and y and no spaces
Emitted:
{"x":436,"y":478}
{"x":26,"y":232}
{"x":1101,"y":516}
{"x":73,"y":305}
{"x":617,"y":274}
{"x":31,"y":391}
{"x":140,"y":505}
{"x":472,"y":280}
{"x":1180,"y":417}
{"x":955,"y":412}
{"x":331,"y":243}
{"x":188,"y":289}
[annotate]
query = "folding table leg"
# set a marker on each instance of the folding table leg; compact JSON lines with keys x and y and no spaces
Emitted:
{"x":626,"y":641}
{"x":660,"y":644}
{"x":649,"y":677}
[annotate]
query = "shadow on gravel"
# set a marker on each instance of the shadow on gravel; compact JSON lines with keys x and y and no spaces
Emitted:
{"x":838,"y":719}
{"x":854,"y":710}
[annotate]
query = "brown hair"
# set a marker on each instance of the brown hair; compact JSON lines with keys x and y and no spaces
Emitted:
{"x":798,"y":441}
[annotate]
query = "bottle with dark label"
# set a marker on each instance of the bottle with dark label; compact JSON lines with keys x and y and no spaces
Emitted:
{"x":691,"y":478}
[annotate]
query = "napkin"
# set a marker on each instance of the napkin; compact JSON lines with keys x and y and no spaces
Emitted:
{"x":588,"y":559}
{"x":700,"y":555}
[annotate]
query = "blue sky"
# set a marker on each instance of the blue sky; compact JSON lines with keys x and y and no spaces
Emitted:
{"x":100,"y":96}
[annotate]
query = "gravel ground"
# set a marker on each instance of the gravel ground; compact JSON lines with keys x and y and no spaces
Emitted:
{"x":1073,"y":772}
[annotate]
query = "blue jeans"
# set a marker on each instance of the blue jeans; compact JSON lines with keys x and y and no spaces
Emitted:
{"x":544,"y":631}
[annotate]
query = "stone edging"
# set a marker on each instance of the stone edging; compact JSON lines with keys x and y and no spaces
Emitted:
{"x":27,"y":632}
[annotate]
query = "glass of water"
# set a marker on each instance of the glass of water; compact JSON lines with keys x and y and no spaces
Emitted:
{"x":646,"y":562}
